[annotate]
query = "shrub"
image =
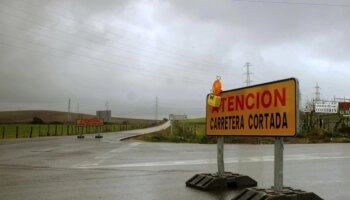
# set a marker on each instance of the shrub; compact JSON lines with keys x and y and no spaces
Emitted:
{"x":327,"y":140}
{"x":346,"y":140}
{"x":157,"y":138}
{"x":37,"y":120}
{"x":344,"y":128}
{"x":56,"y":122}
{"x":327,"y":133}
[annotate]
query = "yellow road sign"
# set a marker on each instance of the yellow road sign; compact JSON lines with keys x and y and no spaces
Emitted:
{"x":269,"y":109}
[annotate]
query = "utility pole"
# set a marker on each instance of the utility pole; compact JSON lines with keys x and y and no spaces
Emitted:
{"x":69,"y":116}
{"x":156,"y":109}
{"x":247,"y":74}
{"x":107,"y":106}
{"x":317,"y":93}
{"x":248,"y":81}
{"x":78,"y":111}
{"x":316,"y":100}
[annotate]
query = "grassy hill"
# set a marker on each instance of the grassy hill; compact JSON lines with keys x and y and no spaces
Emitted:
{"x":48,"y":116}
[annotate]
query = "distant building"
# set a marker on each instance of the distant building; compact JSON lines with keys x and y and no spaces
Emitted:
{"x":106,"y":115}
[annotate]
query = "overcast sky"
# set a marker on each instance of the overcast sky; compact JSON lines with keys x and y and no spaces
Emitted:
{"x":127,"y":53}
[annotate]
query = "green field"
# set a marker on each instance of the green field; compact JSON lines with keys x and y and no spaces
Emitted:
{"x":193,"y":131}
{"x":8,"y":131}
{"x":187,"y":131}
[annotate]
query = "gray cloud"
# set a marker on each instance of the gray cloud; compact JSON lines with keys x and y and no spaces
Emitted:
{"x":129,"y":52}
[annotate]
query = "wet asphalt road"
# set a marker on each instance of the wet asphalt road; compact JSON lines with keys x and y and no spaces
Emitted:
{"x":71,"y":168}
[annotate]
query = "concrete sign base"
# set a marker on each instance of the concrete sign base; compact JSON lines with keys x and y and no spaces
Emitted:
{"x":287,"y":193}
{"x":214,"y":181}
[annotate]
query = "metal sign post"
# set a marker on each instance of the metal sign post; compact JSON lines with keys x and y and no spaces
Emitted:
{"x":220,"y":156}
{"x":289,"y":106}
{"x":221,"y":179}
{"x":270,"y":109}
{"x":278,"y":174}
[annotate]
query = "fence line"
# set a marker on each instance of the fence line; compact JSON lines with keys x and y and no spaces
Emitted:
{"x":34,"y":130}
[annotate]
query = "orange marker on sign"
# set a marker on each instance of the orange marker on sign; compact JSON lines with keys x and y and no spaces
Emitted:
{"x":215,"y":99}
{"x":217,"y":86}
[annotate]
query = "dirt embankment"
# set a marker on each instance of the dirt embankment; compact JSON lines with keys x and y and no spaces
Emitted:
{"x":55,"y":116}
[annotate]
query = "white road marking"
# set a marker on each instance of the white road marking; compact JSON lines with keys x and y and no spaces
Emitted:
{"x":213,"y":161}
{"x":134,"y":144}
{"x":108,"y":155}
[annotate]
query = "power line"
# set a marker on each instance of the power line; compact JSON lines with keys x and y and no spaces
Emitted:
{"x":159,"y":50}
{"x":146,"y":59}
{"x":123,"y":67}
{"x":21,"y":48}
{"x":126,"y":36}
{"x":294,"y":3}
{"x":115,"y":64}
{"x":149,"y":60}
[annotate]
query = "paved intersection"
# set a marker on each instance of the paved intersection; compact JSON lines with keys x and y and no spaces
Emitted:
{"x":71,"y":168}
